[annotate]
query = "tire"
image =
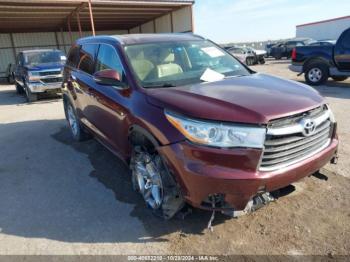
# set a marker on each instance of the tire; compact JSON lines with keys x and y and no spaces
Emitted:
{"x":262,"y":61}
{"x":316,"y":73}
{"x":30,"y":96}
{"x":249,"y":61}
{"x":10,"y":79}
{"x":77,"y":131}
{"x":277,"y":57}
{"x":159,"y":190}
{"x":339,"y":78}
{"x":19,"y":89}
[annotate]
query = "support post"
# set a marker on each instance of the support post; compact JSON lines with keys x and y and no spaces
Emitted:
{"x":57,"y":42}
{"x":70,"y":31}
{"x":192,"y":23}
{"x":172,"y":22}
{"x":13,"y":46}
{"x":63,"y":42}
{"x":79,"y":25}
{"x":154,"y":26}
{"x":91,"y":19}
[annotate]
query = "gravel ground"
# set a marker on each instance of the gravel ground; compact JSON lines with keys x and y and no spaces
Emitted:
{"x":62,"y":197}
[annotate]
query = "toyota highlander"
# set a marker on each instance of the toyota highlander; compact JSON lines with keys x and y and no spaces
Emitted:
{"x":194,"y":124}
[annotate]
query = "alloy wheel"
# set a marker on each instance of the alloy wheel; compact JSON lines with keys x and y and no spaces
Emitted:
{"x":315,"y":75}
{"x":147,"y":179}
{"x":73,"y":123}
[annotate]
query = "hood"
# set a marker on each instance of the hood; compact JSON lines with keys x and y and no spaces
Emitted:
{"x":46,"y":66}
{"x":255,"y":99}
{"x":260,"y":52}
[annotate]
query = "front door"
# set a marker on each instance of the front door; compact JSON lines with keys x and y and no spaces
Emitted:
{"x":110,"y":103}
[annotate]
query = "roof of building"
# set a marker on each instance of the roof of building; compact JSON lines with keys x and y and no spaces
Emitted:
{"x":325,"y":21}
{"x":49,"y":15}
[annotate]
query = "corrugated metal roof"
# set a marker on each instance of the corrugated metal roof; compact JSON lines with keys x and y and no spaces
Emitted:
{"x":325,"y":21}
{"x":49,"y":15}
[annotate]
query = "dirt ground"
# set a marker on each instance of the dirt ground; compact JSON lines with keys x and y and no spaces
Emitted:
{"x":62,"y":197}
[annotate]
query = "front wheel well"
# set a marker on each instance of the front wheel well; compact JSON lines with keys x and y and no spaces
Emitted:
{"x":315,"y":60}
{"x":141,"y":137}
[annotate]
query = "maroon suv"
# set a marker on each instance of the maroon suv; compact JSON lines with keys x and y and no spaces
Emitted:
{"x":194,"y":124}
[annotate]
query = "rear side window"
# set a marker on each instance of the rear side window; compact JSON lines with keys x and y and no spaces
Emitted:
{"x":73,"y":56}
{"x":87,"y":58}
{"x":346,"y":39}
{"x":108,"y":59}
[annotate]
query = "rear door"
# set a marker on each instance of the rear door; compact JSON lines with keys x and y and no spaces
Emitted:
{"x":342,"y":51}
{"x":82,"y":80}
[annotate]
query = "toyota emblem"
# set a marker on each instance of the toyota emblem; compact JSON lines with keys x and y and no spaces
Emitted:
{"x":309,"y":127}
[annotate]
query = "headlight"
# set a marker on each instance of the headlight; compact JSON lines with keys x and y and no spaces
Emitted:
{"x":218,"y":134}
{"x":33,"y":75}
{"x":331,"y":115}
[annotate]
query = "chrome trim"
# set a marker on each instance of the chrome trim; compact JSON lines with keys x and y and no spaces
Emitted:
{"x":287,"y":164}
{"x":297,"y":128}
{"x":40,"y":88}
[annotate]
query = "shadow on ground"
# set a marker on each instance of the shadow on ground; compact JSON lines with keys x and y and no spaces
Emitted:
{"x":48,"y":190}
{"x":106,"y":165}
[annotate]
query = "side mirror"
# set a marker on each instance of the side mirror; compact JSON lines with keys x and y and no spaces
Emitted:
{"x":108,"y":77}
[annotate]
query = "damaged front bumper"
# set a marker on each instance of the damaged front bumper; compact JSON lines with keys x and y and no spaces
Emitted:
{"x":229,"y":177}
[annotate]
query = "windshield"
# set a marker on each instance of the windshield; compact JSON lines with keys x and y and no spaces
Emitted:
{"x":179,"y":63}
{"x":44,"y":57}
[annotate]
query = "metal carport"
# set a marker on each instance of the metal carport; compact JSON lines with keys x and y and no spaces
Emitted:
{"x":28,"y":24}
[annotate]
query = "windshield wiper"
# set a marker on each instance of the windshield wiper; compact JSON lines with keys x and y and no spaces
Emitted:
{"x":232,"y":76}
{"x":164,"y":85}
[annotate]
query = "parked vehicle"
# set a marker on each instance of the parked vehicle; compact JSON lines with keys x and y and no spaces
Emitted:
{"x":243,"y":55}
{"x":195,"y":125}
{"x":323,"y":43}
{"x":259,"y":55}
{"x":39,"y":71}
{"x":285,"y":49}
{"x":268,"y":49}
{"x":10,"y":73}
{"x":318,"y":63}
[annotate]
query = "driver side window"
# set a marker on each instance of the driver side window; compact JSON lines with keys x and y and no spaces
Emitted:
{"x":108,"y":58}
{"x":346,"y":39}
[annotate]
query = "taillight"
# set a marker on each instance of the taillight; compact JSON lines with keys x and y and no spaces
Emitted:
{"x":294,"y":53}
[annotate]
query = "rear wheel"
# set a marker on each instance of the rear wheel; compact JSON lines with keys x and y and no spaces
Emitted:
{"x":152,"y":179}
{"x":78,"y":133}
{"x":316,"y":73}
{"x":249,"y":61}
{"x":278,"y":57}
{"x":339,"y":78}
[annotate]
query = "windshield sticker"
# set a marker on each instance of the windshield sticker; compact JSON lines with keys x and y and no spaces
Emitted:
{"x":210,"y":75}
{"x":212,"y":51}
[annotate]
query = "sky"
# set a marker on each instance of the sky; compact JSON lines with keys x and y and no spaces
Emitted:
{"x":225,"y":21}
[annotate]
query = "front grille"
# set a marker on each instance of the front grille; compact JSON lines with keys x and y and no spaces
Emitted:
{"x":52,"y":80}
{"x":286,"y":144}
{"x":49,"y":73}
